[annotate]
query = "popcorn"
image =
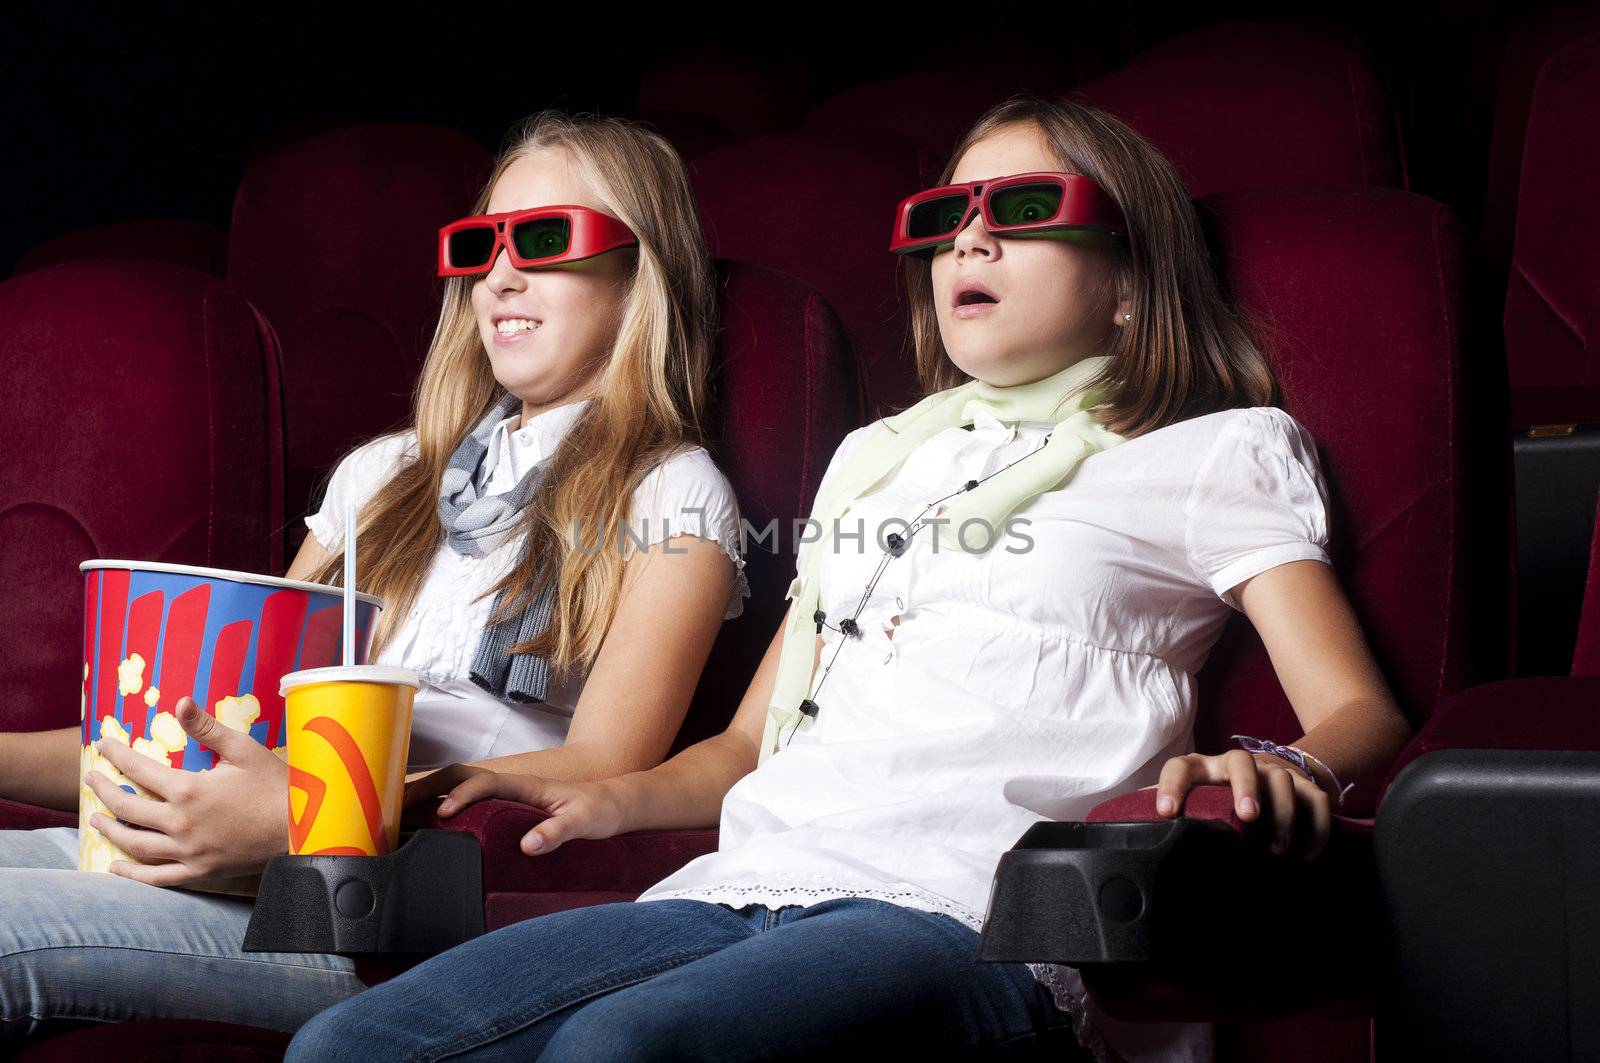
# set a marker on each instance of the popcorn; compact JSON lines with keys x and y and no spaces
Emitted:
{"x":168,"y":732}
{"x":154,"y":750}
{"x":110,"y":728}
{"x":151,"y":696}
{"x":95,"y":851}
{"x":130,"y":675}
{"x":238,"y":712}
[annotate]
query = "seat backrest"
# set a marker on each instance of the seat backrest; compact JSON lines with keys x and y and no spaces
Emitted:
{"x":1356,"y":295}
{"x":333,"y":239}
{"x":746,"y":92}
{"x":689,"y":134}
{"x":787,"y":387}
{"x":1552,"y":313}
{"x":1523,"y":49}
{"x":820,"y":210}
{"x":196,"y":244}
{"x":150,"y":429}
{"x":1259,"y":104}
{"x":924,"y":112}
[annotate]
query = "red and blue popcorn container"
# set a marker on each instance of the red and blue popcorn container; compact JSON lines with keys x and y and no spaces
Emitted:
{"x":154,"y":632}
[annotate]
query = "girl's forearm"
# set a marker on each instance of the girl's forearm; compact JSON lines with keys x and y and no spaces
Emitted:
{"x":1360,"y":742}
{"x":687,"y":790}
{"x":565,"y":763}
{"x":41,"y":767}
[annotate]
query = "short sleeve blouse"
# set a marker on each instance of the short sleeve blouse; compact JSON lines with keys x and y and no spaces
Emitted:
{"x":453,"y":718}
{"x":1258,"y":501}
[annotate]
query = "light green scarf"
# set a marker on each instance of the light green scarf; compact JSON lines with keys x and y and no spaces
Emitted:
{"x":1060,"y":398}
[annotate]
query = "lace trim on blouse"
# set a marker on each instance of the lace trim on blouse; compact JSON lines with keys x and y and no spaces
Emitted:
{"x":1063,"y":982}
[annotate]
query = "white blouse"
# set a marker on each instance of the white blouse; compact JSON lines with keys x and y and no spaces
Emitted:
{"x":454,"y":719}
{"x":988,"y":692}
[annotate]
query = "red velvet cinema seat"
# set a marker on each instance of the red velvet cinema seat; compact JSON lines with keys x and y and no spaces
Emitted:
{"x":743,"y":92}
{"x":926,"y":111}
{"x":1521,"y":50}
{"x":331,"y":238}
{"x":1259,"y":104}
{"x":1383,"y":394}
{"x":197,"y":244}
{"x":1552,"y":312}
{"x":819,"y":210}
{"x":786,"y":389}
{"x":148,"y":427}
{"x":1552,"y":349}
{"x":1499,"y":790}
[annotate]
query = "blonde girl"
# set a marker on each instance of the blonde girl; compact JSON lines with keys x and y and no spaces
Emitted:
{"x":556,"y":551}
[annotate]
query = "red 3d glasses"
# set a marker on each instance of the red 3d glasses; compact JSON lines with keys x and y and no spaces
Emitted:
{"x":1012,"y":205}
{"x":539,"y":236}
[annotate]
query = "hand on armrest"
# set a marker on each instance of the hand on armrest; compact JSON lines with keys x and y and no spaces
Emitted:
{"x":626,"y":863}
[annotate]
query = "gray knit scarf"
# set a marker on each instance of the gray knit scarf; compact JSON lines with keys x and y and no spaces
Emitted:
{"x":476,"y":525}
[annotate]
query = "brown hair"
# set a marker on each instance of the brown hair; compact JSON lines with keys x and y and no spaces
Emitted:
{"x":1187,"y":351}
{"x":651,"y":402}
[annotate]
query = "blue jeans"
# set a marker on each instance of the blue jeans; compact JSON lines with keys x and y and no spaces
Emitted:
{"x":78,"y":945}
{"x":688,"y":979}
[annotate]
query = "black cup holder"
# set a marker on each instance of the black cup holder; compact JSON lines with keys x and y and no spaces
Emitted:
{"x":424,"y":897}
{"x":1076,"y":893}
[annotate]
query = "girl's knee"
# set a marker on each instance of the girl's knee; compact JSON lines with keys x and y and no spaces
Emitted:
{"x":620,"y":1031}
{"x":322,"y":1037}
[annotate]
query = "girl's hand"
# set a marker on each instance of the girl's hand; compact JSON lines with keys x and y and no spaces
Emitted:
{"x":577,"y":809}
{"x":1262,"y":785}
{"x":422,"y":787}
{"x":227,"y":821}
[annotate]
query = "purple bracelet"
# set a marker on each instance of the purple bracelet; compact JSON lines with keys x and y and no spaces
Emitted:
{"x":1296,"y":756}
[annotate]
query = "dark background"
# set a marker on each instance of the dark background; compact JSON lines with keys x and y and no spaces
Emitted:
{"x":153,"y":110}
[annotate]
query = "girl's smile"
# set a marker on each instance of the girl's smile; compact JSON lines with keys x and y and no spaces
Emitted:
{"x":511,"y":331}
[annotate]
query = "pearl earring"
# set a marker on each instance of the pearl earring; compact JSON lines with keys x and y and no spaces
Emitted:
{"x":1127,"y":317}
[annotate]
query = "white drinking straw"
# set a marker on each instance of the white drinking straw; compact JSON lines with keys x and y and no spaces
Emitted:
{"x":349,"y":584}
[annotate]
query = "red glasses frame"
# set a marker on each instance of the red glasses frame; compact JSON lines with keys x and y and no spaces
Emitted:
{"x":1084,"y":205}
{"x":590,"y":233}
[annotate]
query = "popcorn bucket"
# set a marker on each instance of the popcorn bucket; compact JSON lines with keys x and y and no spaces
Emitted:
{"x":154,"y":632}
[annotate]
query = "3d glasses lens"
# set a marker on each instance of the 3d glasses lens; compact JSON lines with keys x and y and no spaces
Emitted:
{"x":1023,"y":204}
{"x":470,"y":247}
{"x":542,"y":237}
{"x":936,"y":217}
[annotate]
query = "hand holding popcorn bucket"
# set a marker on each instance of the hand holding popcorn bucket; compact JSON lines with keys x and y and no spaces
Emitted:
{"x":154,"y":633}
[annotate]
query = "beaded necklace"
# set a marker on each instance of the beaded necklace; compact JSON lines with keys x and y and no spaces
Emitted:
{"x":896,"y":545}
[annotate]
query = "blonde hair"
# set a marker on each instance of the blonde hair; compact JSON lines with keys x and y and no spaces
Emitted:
{"x":1186,"y":351}
{"x":651,"y":403}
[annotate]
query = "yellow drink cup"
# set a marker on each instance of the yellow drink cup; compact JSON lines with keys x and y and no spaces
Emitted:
{"x":349,"y":737}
